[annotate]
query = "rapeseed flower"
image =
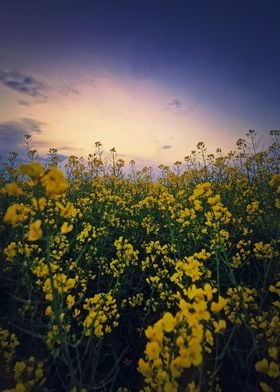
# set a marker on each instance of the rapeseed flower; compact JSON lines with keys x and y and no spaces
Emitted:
{"x":39,"y":204}
{"x":70,"y":300}
{"x":168,"y":322}
{"x":218,"y":306}
{"x":35,"y":231}
{"x":195,"y":354}
{"x":144,"y":368}
{"x":12,"y":189}
{"x":54,"y":182}
{"x":155,"y":332}
{"x":219,"y":325}
{"x":66,"y":211}
{"x":16,"y":214}
{"x":262,"y":366}
{"x":34,"y":170}
{"x":153,"y":350}
{"x":66,"y":228}
{"x":265,"y":387}
{"x":11,"y":251}
{"x":273,"y":352}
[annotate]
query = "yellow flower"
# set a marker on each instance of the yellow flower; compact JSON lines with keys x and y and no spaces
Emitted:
{"x":66,"y":211}
{"x":66,"y":228}
{"x":70,"y":300}
{"x":168,"y":322}
{"x":76,"y":313}
{"x":16,"y":214}
{"x":153,"y":350}
{"x":70,"y":283}
{"x":208,"y":291}
{"x":34,"y":170}
{"x":144,"y":368}
{"x":11,"y":251}
{"x":209,"y":339}
{"x":219,"y":326}
{"x":155,"y":332}
{"x":194,"y":292}
{"x":263,"y":251}
{"x":19,"y":369}
{"x":191,"y":387}
{"x":195,"y":355}
{"x":180,"y":341}
{"x":273,"y":352}
{"x":39,"y":374}
{"x":48,"y":311}
{"x":176,"y":367}
{"x":265,"y":387}
{"x":218,"y":306}
{"x":12,"y":189}
{"x":54,"y":182}
{"x":262,"y":366}
{"x":35,"y":232}
{"x":201,"y":312}
{"x":273,"y":370}
{"x":170,"y":387}
{"x":214,"y":200}
{"x":197,"y":205}
{"x":39,"y":204}
{"x":20,"y":387}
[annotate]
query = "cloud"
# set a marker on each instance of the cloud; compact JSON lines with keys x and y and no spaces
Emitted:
{"x":70,"y":148}
{"x":65,"y":89}
{"x":177,"y":107}
{"x":24,"y":84}
{"x":175,"y":104}
{"x":35,"y":89}
{"x":166,"y":147}
{"x":12,"y":134}
{"x":191,"y":108}
{"x":90,"y":81}
{"x":23,"y":103}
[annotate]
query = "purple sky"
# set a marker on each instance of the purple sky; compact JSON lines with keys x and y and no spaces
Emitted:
{"x":138,"y":75}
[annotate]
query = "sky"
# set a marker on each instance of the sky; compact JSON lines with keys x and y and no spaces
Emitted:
{"x":150,"y":78}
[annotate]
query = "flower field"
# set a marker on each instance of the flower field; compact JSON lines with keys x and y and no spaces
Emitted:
{"x":125,"y":282}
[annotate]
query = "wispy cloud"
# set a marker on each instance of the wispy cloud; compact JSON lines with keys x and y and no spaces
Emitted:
{"x":35,"y":90}
{"x":179,"y":108}
{"x":175,"y":104}
{"x":12,"y":134}
{"x":23,"y":103}
{"x":24,"y":84}
{"x":70,"y":149}
{"x":65,"y":89}
{"x":90,"y":81}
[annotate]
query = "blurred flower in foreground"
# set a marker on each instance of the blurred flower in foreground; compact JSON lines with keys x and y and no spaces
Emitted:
{"x":34,"y":170}
{"x":54,"y":182}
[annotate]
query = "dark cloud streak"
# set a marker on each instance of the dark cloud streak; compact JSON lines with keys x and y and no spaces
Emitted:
{"x":37,"y":90}
{"x":175,"y":104}
{"x":24,"y":84}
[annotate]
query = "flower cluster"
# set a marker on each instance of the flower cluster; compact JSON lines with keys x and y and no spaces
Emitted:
{"x":102,"y":314}
{"x":178,"y":343}
{"x":100,"y":268}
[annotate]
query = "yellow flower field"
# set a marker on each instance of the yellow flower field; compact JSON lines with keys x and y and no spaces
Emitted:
{"x":114,"y":282}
